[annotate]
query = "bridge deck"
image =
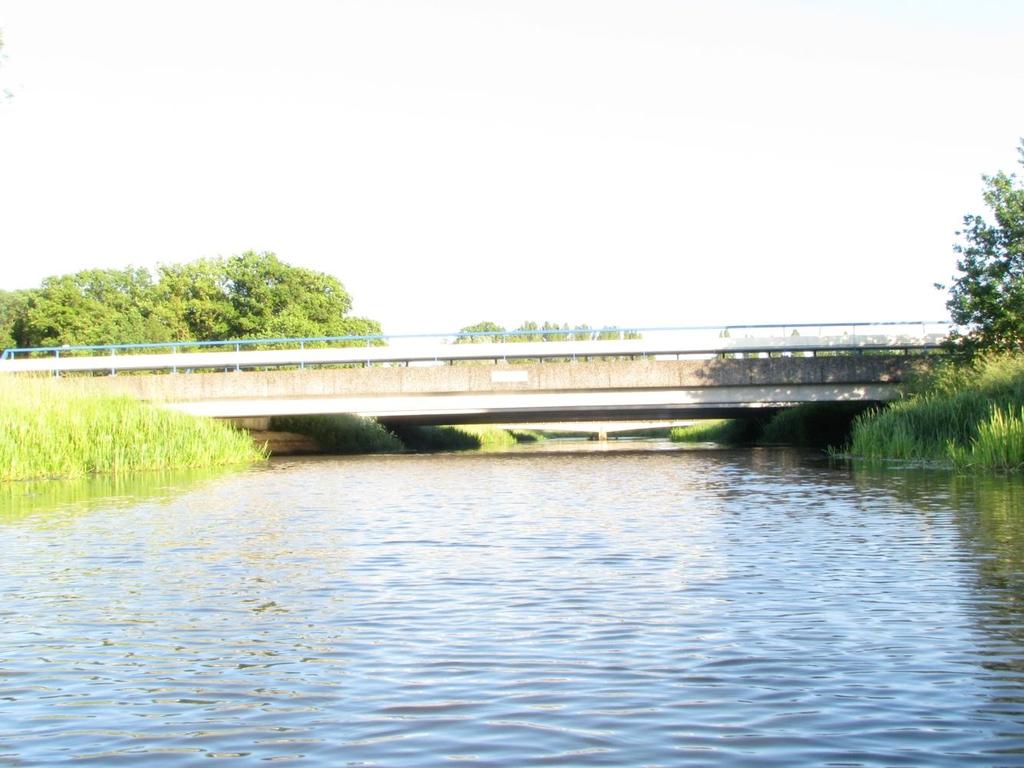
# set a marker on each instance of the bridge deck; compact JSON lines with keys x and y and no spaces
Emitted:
{"x":176,"y":361}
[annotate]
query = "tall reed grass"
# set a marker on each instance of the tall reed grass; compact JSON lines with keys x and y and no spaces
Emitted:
{"x":729,"y":431}
{"x":967,"y":414}
{"x":528,"y":435}
{"x":50,"y":429}
{"x":461,"y":438}
{"x":346,"y":433}
{"x":999,"y":444}
{"x":488,"y":436}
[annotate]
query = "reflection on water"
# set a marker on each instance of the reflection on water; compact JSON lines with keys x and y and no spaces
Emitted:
{"x":614,"y":445}
{"x":604,"y":604}
{"x":34,"y":496}
{"x":988,"y":511}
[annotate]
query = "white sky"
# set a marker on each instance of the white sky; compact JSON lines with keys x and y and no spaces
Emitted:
{"x":640,"y":162}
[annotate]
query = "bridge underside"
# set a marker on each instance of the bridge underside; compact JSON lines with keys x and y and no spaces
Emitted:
{"x":583,"y":417}
{"x":482,"y":393}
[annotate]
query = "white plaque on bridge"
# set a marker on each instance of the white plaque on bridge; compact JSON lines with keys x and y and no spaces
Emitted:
{"x":509,"y":377}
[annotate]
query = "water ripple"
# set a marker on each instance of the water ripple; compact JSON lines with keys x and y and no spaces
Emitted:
{"x":669,"y":608}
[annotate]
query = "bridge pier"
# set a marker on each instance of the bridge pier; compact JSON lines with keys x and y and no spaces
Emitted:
{"x":277,"y":442}
{"x":251,"y":423}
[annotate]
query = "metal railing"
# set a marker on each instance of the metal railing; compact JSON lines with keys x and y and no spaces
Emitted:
{"x":515,"y":344}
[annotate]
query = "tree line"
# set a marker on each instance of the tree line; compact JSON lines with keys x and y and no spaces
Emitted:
{"x":250,"y":295}
{"x":488,"y":332}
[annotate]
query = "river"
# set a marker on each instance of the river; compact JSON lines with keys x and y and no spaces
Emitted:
{"x":565,"y":605}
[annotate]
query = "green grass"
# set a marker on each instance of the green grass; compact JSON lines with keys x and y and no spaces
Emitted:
{"x":340,"y":433}
{"x":427,"y":438}
{"x":489,"y":437}
{"x":728,"y":431}
{"x":465,"y":437}
{"x":808,"y":424}
{"x":58,"y":430}
{"x":966,"y":414}
{"x":528,"y":435}
{"x":999,"y":444}
{"x":922,"y":427}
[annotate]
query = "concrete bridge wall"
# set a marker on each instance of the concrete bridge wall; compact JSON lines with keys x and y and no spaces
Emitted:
{"x":480,"y":392}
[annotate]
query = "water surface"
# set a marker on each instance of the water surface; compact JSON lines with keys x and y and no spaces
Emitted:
{"x":548,"y":607}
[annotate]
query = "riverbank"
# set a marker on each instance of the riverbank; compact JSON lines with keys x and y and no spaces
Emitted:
{"x":967,"y":415}
{"x":48,"y":431}
{"x":346,"y":434}
{"x":51,"y":432}
{"x":811,"y":425}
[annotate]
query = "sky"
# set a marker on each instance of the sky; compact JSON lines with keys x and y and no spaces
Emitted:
{"x":632,"y":162}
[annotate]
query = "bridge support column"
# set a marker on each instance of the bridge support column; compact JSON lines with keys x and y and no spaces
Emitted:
{"x":252,"y":423}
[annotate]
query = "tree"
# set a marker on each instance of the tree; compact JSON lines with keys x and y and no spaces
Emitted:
{"x":192,"y":300}
{"x":271,"y":298}
{"x":13,"y":305}
{"x":484,"y":327}
{"x":611,"y":334}
{"x":527,"y":331}
{"x":987,"y":297}
{"x":530,"y":330}
{"x":95,"y":306}
{"x":252,"y":295}
{"x":556,"y":332}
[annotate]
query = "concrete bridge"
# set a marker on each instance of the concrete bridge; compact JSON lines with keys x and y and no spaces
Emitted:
{"x":662,"y":376}
{"x":633,"y":379}
{"x":588,"y":391}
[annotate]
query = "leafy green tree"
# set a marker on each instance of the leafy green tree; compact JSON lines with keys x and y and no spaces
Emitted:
{"x":987,"y":297}
{"x":192,"y":300}
{"x":272,"y":298}
{"x":484,"y":327}
{"x":353,"y":325}
{"x":13,"y":305}
{"x":252,"y":295}
{"x":610,"y":334}
{"x":530,"y":330}
{"x":556,"y":332}
{"x":527,"y":331}
{"x":95,"y":306}
{"x":582,"y":333}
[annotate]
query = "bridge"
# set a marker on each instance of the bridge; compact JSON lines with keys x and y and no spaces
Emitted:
{"x":666,"y":373}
